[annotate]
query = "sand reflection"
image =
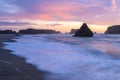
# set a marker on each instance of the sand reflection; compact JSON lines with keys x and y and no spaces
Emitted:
{"x":107,"y":48}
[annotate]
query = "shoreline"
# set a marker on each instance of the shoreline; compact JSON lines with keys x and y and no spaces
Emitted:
{"x":13,"y":67}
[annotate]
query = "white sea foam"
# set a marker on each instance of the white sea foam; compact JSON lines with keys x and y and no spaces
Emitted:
{"x":68,"y":58}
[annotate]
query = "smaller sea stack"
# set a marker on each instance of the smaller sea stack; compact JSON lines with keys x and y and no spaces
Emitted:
{"x":84,"y":31}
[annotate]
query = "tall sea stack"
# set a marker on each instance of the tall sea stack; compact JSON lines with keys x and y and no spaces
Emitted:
{"x":84,"y":31}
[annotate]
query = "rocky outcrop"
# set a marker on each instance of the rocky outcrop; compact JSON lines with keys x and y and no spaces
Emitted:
{"x":38,"y":31}
{"x":84,"y":31}
{"x":7,"y":32}
{"x":113,"y":30}
{"x":73,"y":31}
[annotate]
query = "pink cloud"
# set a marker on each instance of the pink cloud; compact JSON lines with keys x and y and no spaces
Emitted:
{"x":90,"y":11}
{"x":61,"y":10}
{"x":114,"y":5}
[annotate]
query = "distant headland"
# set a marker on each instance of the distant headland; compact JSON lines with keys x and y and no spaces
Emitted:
{"x":113,"y":30}
{"x":30,"y":31}
{"x":7,"y":32}
{"x":38,"y":31}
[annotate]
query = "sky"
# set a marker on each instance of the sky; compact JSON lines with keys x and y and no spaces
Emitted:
{"x":61,"y":15}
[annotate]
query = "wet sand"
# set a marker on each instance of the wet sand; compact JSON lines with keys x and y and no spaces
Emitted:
{"x":13,"y":67}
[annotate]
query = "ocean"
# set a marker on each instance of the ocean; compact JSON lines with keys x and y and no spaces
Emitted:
{"x":64,"y":57}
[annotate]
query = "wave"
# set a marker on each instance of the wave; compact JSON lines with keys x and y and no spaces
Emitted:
{"x":70,"y":58}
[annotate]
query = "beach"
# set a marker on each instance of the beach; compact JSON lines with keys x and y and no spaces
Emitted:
{"x":13,"y":67}
{"x":60,"y":57}
{"x":63,"y":57}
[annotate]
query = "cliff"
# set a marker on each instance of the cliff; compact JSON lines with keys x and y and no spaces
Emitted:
{"x":73,"y":31}
{"x":38,"y":31}
{"x":113,"y":30}
{"x":7,"y":32}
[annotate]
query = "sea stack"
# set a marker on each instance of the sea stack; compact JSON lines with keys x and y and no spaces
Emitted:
{"x":84,"y":31}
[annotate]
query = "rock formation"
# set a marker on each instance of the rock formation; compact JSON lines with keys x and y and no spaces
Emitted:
{"x":113,"y":30}
{"x":38,"y":31}
{"x":73,"y":31}
{"x":7,"y":32}
{"x":84,"y":31}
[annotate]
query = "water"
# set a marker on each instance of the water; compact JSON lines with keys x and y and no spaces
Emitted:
{"x":69,"y":58}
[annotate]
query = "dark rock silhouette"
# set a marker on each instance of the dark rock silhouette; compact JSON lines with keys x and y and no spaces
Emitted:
{"x":73,"y":31}
{"x":84,"y":31}
{"x":113,"y":30}
{"x":38,"y":31}
{"x":7,"y":32}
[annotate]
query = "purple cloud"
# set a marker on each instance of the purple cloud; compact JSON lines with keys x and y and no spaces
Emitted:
{"x":15,"y":24}
{"x":91,"y":11}
{"x":56,"y":24}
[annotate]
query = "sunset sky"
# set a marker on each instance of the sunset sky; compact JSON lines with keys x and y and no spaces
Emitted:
{"x":60,"y":15}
